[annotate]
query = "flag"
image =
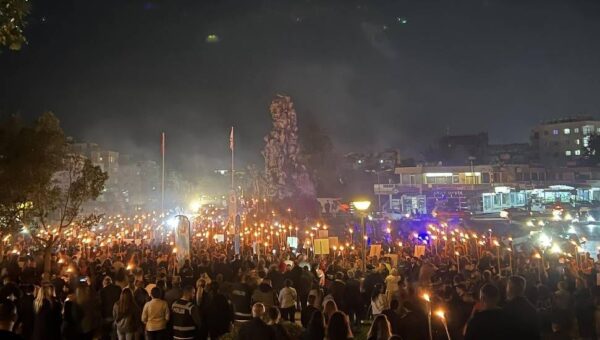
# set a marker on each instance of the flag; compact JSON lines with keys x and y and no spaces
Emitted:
{"x":162,"y":143}
{"x":231,"y":139}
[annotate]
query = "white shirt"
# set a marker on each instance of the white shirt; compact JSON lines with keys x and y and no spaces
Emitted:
{"x":287,"y":297}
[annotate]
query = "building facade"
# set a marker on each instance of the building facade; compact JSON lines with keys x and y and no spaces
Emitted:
{"x":562,"y":142}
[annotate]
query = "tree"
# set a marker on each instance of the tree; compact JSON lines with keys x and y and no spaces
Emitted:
{"x":29,"y":157}
{"x":12,"y":22}
{"x":56,"y":208}
{"x":43,"y":185}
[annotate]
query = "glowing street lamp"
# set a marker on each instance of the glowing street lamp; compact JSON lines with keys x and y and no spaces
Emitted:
{"x":362,"y":207}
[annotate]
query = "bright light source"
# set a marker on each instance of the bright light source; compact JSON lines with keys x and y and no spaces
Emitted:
{"x":195,"y":205}
{"x":556,"y":249}
{"x":438,"y":174}
{"x":425,"y":297}
{"x":362,"y":205}
{"x":504,"y":214}
{"x":568,"y":217}
{"x":173,"y":222}
{"x":440,"y":313}
{"x":545,"y":240}
{"x":590,"y":218}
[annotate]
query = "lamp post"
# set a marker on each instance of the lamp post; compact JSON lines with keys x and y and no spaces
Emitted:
{"x":362,"y":207}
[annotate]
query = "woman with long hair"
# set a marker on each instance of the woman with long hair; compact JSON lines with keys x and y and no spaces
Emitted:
{"x":328,"y":310}
{"x":380,"y":329}
{"x":127,"y":316}
{"x":47,"y":314}
{"x":379,"y":301}
{"x":338,"y":327}
{"x":316,"y":327}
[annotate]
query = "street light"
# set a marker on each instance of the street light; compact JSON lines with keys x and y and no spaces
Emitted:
{"x":362,"y":207}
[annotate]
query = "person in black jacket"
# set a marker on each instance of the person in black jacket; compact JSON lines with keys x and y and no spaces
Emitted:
{"x":522,"y":313}
{"x":218,"y":312}
{"x":25,"y":312}
{"x":351,"y":297}
{"x":274,"y":318}
{"x":109,"y":294}
{"x":491,"y":322}
{"x":307,"y":311}
{"x":256,"y":328}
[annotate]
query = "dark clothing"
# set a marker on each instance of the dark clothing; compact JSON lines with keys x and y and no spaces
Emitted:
{"x":280,"y":332}
{"x":524,"y":318}
{"x":256,"y":329}
{"x":337,"y":292}
{"x":490,"y":325}
{"x":47,"y":321}
{"x":306,"y":314}
{"x":108,"y":296}
{"x":173,"y":294}
{"x":394,"y":320}
{"x":140,"y":295}
{"x":219,"y":315}
{"x":413,"y":325}
{"x":6,"y":335}
{"x":186,"y":319}
{"x":276,"y":279}
{"x":26,"y":315}
{"x":241,"y":299}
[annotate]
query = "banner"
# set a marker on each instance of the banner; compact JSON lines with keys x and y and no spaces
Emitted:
{"x":321,"y":246}
{"x":419,"y":251}
{"x":292,"y":242}
{"x":333,"y":242}
{"x":375,"y":250}
{"x":323,"y":233}
{"x":182,"y":239}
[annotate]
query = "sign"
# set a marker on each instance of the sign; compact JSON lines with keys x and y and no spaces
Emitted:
{"x":292,"y":242}
{"x":219,"y":238}
{"x":393,"y":259}
{"x":333,"y":242}
{"x":323,"y":233}
{"x":182,"y":240}
{"x":375,"y":250}
{"x":419,"y":251}
{"x":321,"y":246}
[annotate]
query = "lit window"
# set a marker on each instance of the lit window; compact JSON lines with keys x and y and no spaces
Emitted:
{"x":555,"y":132}
{"x":577,"y":141}
{"x":587,"y":130}
{"x":576,"y":130}
{"x":586,"y":141}
{"x":577,"y":152}
{"x":567,"y":131}
{"x":568,"y":153}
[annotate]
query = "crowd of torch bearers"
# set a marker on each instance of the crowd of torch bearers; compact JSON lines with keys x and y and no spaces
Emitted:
{"x":268,"y":236}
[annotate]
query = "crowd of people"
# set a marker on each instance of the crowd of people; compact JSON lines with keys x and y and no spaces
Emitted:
{"x":134,"y":291}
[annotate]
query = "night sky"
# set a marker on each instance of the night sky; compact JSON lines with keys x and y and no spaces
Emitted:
{"x":374,"y":73}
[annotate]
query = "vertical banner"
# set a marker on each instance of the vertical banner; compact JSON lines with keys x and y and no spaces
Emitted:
{"x":182,"y":240}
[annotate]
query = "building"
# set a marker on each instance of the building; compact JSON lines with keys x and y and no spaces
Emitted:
{"x":484,"y":188}
{"x":562,"y":142}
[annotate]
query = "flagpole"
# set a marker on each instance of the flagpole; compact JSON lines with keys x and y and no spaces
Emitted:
{"x":162,"y":181}
{"x":232,"y":144}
